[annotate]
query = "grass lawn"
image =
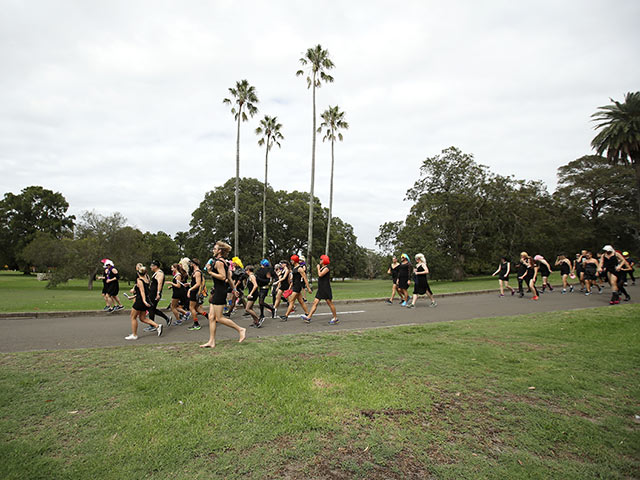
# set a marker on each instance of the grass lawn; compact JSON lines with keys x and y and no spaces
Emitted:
{"x":537,"y":396}
{"x":20,"y":293}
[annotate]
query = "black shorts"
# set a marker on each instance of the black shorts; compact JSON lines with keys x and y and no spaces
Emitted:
{"x":193,"y":296}
{"x":504,"y":278}
{"x":218,"y":297}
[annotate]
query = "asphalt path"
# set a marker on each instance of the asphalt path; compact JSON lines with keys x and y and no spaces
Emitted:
{"x":27,"y":334}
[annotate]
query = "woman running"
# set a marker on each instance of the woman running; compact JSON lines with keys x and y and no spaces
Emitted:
{"x":504,"y":268}
{"x":252,"y":295}
{"x":590,"y":266}
{"x":421,"y":285}
{"x":403,"y":281}
{"x":197,"y":286}
{"x":219,"y":270}
{"x":544,"y":269}
{"x":263,"y":276}
{"x":155,"y":292}
{"x":113,"y":285}
{"x":324,"y":291}
{"x":178,"y":292}
{"x":103,"y":277}
{"x":623,"y":270}
{"x":393,"y":271}
{"x":239,"y":278}
{"x":521,"y":272}
{"x":284,"y":283}
{"x":610,"y":263}
{"x":299,"y":276}
{"x":565,"y":270}
{"x":141,"y":304}
{"x":531,"y":276}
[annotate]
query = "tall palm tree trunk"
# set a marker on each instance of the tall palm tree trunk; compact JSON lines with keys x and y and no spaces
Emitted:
{"x":264,"y":204}
{"x":313,"y":176}
{"x":326,"y":247}
{"x":237,"y":202}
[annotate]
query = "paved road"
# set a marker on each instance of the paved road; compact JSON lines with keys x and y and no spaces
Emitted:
{"x":25,"y":334}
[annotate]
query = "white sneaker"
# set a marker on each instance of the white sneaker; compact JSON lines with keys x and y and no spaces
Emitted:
{"x":131,"y":337}
{"x":159,"y":329}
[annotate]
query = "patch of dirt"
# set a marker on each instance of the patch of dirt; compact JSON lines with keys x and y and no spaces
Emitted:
{"x":321,"y":384}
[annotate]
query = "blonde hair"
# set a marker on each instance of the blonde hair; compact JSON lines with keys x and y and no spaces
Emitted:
{"x":524,"y":254}
{"x":184,"y":263}
{"x":224,"y":247}
{"x":420,"y":257}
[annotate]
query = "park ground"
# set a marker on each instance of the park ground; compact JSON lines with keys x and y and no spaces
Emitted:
{"x":546,"y":395}
{"x":24,"y":293}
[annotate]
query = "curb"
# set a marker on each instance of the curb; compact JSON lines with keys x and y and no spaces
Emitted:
{"x":127,"y":311}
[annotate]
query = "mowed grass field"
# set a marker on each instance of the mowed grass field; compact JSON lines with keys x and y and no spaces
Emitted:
{"x":24,"y":293}
{"x":537,"y":396}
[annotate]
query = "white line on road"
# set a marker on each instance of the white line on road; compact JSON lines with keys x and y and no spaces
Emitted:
{"x":329,"y":313}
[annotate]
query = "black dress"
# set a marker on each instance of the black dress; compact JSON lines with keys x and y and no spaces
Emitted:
{"x":177,"y":292}
{"x":219,"y":294}
{"x":324,"y":287}
{"x":503,"y":275}
{"x":421,"y":285}
{"x":403,"y":275}
{"x":138,"y":304}
{"x":297,"y":280}
{"x":113,"y":287}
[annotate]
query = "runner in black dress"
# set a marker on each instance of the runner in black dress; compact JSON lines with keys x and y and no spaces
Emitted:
{"x":197,"y":286}
{"x":393,"y":271}
{"x":531,"y":276}
{"x":155,"y":292}
{"x":504,"y":268}
{"x":421,"y":285}
{"x":521,"y":272}
{"x":103,"y":277}
{"x":299,"y":276}
{"x":252,"y":296}
{"x":544,"y":270}
{"x":578,"y":267}
{"x":324,"y":291}
{"x":284,"y":283}
{"x":113,"y":285}
{"x":610,"y":263}
{"x":219,"y":270}
{"x":590,"y":266}
{"x":565,"y":270}
{"x":263,"y":276}
{"x":178,"y":293}
{"x":141,"y":304}
{"x":404,"y":275}
{"x":632,"y":264}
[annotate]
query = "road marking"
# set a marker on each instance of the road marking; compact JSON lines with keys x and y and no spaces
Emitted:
{"x":329,"y":313}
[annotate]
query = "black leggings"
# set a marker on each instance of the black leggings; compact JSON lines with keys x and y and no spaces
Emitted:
{"x":262,"y":295}
{"x":153,"y":310}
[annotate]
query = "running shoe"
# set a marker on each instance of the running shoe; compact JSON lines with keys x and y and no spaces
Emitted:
{"x":283,"y":318}
{"x":131,"y":337}
{"x":333,"y":321}
{"x":513,"y":292}
{"x":535,"y":297}
{"x":520,"y":295}
{"x":106,"y":307}
{"x":159,"y":329}
{"x":627,"y":298}
{"x":273,"y":313}
{"x":118,"y":307}
{"x":563,"y":291}
{"x":305,"y":318}
{"x":177,"y":323}
{"x":600,"y":289}
{"x":586,"y":294}
{"x":195,"y":326}
{"x":403,"y":304}
{"x":571,"y":289}
{"x":434,"y":304}
{"x":501,"y":295}
{"x":149,"y":329}
{"x":388,"y":301}
{"x":260,"y":322}
{"x":611,"y":302}
{"x":110,"y":310}
{"x":411,"y":305}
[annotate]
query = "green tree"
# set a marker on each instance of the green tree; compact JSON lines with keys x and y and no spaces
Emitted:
{"x":333,"y":121}
{"x":318,"y":62}
{"x":243,"y":100}
{"x":162,"y":248}
{"x":270,"y":130}
{"x":34,"y":209}
{"x":619,"y":135}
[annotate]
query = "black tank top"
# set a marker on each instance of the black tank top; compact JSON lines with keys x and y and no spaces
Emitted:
{"x":297,"y":278}
{"x":284,"y":282}
{"x":217,"y":283}
{"x":503,"y":269}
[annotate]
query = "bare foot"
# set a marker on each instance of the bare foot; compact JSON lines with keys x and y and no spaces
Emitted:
{"x":208,"y":345}
{"x":243,"y":334}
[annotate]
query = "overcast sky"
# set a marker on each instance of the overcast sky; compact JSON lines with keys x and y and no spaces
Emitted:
{"x":118,"y":104}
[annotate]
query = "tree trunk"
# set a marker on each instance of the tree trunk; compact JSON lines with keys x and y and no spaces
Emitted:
{"x":264,"y":204}
{"x":313,"y":173}
{"x":326,"y":248}
{"x":235,"y":220}
{"x":636,"y":165}
{"x":457,"y":275}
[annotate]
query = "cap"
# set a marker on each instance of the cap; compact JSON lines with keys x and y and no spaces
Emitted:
{"x":608,"y":248}
{"x":295,"y":258}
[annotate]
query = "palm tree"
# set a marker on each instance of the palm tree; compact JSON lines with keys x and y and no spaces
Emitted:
{"x":244,"y":96}
{"x":270,"y":130}
{"x":318,"y":61}
{"x":333,"y":120}
{"x":620,"y":133}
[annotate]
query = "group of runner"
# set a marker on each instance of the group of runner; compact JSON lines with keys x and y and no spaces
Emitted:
{"x":609,"y":266}
{"x":286,"y":280}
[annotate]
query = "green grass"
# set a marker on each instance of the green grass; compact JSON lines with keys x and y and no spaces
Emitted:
{"x":448,"y":400}
{"x":23,"y":293}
